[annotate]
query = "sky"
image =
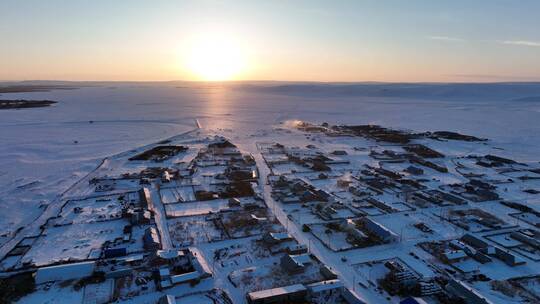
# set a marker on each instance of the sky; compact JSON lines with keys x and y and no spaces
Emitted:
{"x":334,"y":41}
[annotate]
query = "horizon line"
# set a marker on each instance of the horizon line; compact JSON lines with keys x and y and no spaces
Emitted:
{"x":272,"y":81}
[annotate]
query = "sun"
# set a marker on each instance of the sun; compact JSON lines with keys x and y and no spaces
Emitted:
{"x":216,"y":58}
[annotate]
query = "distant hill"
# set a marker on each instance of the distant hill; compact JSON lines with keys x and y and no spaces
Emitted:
{"x":440,"y":91}
{"x":528,"y":99}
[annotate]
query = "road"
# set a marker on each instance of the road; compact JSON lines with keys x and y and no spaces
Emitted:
{"x":156,"y":206}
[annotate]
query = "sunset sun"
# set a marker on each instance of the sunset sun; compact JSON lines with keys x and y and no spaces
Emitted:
{"x":216,"y":58}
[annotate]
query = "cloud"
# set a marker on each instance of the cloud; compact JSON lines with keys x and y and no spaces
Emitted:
{"x":521,"y":42}
{"x":445,"y":38}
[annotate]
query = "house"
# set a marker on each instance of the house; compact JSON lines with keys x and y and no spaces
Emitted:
{"x":140,"y":217}
{"x":343,"y":183}
{"x":353,"y":230}
{"x":114,"y":252}
{"x":167,"y":299}
{"x":414,"y":170}
{"x":118,"y":273}
{"x":508,"y":258}
{"x":246,"y":203}
{"x":290,"y":199}
{"x":64,"y":272}
{"x":462,"y":291}
{"x":400,"y":275}
{"x":413,"y":300}
{"x":474,"y":241}
{"x":164,"y":273}
{"x":172,"y":256}
{"x":325,"y":288}
{"x":453,"y":256}
{"x":296,"y":263}
{"x":327,"y":272}
{"x":144,"y":197}
{"x":151,"y":239}
{"x":276,"y":237}
{"x":185,"y":277}
{"x":339,"y":152}
{"x":297,"y":249}
{"x":383,"y":233}
{"x":133,"y":259}
{"x":286,"y":294}
{"x":525,"y":239}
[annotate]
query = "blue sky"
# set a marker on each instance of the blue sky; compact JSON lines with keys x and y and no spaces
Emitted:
{"x":497,"y":40}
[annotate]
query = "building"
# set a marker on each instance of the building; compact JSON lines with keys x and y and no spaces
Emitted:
{"x":462,"y":291}
{"x":413,"y":300}
{"x":185,"y":277}
{"x":114,"y":252}
{"x":343,"y":183}
{"x":474,"y":241}
{"x":339,"y":152}
{"x":400,"y":276}
{"x":164,"y":273}
{"x":172,"y":256}
{"x":297,"y":249}
{"x":140,"y":217}
{"x":167,"y":299}
{"x":286,"y":294}
{"x":64,"y":272}
{"x":353,"y":230}
{"x":383,"y":233}
{"x":151,"y":239}
{"x":325,"y":288}
{"x":328,"y":273}
{"x":414,"y":170}
{"x":508,"y":258}
{"x":296,"y":263}
{"x":276,"y":237}
{"x":453,"y":256}
{"x":144,"y":197}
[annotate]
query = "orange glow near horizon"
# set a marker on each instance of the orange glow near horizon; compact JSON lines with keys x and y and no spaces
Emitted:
{"x":215,"y":57}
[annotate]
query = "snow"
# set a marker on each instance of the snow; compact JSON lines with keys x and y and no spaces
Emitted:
{"x":56,"y":295}
{"x":72,"y":242}
{"x":197,"y":208}
{"x":42,"y":167}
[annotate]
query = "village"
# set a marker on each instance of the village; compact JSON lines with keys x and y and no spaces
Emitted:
{"x":317,"y":214}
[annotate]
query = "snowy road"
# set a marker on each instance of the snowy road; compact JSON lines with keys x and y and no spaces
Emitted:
{"x":156,"y":206}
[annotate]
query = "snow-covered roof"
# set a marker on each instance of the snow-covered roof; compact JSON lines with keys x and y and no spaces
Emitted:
{"x":134,"y":258}
{"x":455,"y":254}
{"x":276,"y":291}
{"x":325,"y":285}
{"x":64,"y":272}
{"x":301,"y":259}
{"x":169,"y":254}
{"x":184,"y":277}
{"x":163,"y":272}
{"x":280,"y":235}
